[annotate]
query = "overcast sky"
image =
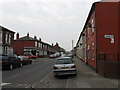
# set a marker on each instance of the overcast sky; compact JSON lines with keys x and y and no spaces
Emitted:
{"x":51,"y":20}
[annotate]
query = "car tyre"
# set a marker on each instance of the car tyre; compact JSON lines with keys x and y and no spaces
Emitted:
{"x":21,"y":64}
{"x":56,"y":75}
{"x":11,"y":67}
{"x":75,"y":74}
{"x":30,"y":62}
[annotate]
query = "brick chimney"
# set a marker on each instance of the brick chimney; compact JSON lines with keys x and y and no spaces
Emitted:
{"x":57,"y":44}
{"x":52,"y":44}
{"x":28,"y":34}
{"x":39,"y":39}
{"x":17,"y":36}
{"x":35,"y":37}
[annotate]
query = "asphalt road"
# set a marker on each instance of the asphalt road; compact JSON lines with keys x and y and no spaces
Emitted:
{"x":40,"y":75}
{"x":26,"y":76}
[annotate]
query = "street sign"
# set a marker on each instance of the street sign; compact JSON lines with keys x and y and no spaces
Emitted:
{"x":109,"y":36}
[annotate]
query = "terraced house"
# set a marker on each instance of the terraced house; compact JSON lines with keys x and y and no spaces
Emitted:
{"x":32,"y":46}
{"x":6,"y":41}
{"x":102,"y":33}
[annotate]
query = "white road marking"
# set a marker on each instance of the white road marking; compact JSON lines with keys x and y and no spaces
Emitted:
{"x":3,"y":84}
{"x":67,"y":83}
{"x":27,"y":70}
{"x":28,"y":86}
{"x":45,"y":77}
{"x":83,"y":85}
{"x":41,"y":79}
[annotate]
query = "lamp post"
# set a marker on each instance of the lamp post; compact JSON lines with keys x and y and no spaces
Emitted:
{"x":72,"y":44}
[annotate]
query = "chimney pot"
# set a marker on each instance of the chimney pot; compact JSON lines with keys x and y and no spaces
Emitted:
{"x":52,"y":44}
{"x":17,"y":36}
{"x":35,"y":37}
{"x":39,"y":39}
{"x":28,"y":34}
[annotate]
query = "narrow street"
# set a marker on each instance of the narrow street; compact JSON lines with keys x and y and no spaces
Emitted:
{"x":40,"y":75}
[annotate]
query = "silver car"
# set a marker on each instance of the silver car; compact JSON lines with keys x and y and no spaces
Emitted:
{"x":64,"y":66}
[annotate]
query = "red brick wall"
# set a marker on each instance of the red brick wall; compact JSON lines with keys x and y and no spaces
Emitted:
{"x":107,"y":24}
{"x":107,"y":52}
{"x":19,"y":45}
{"x":119,"y":35}
{"x":90,"y":39}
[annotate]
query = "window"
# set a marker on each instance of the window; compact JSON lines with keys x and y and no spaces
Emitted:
{"x":88,"y":31}
{"x":6,"y":38}
{"x":38,"y":44}
{"x":35,"y":43}
{"x":1,"y":50}
{"x":9,"y":38}
{"x":0,"y":37}
{"x":88,"y":51}
{"x":92,"y":51}
{"x":93,"y":26}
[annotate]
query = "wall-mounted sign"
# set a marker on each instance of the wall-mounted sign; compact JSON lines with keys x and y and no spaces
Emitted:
{"x":111,"y":37}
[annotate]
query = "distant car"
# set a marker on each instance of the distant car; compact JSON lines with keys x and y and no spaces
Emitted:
{"x":69,"y":55}
{"x":64,"y":66}
{"x":10,"y":61}
{"x":25,"y":60}
{"x":52,"y":56}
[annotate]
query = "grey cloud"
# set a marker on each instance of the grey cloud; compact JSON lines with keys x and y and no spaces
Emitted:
{"x":52,"y":21}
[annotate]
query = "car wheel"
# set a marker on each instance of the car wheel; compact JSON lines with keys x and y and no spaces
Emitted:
{"x":11,"y":67}
{"x":75,"y":74}
{"x":21,"y":64}
{"x":55,"y":75}
{"x":30,"y":62}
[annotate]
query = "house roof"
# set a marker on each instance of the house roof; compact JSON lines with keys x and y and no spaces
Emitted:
{"x":26,"y":38}
{"x":5,"y":29}
{"x":89,"y":15}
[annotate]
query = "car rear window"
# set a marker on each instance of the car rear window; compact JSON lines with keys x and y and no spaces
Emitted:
{"x":64,"y":61}
{"x":3,"y":58}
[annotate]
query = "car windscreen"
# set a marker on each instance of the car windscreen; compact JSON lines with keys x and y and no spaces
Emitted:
{"x":64,"y":61}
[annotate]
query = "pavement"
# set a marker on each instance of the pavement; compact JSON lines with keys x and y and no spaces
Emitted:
{"x":86,"y":78}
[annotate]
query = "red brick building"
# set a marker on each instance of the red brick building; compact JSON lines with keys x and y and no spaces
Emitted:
{"x":103,"y":38}
{"x":6,"y":40}
{"x":59,"y":49}
{"x":32,"y":46}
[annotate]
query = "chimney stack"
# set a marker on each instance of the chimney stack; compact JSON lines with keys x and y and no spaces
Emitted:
{"x":57,"y":44}
{"x":52,"y":44}
{"x":28,"y":34}
{"x":39,"y":39}
{"x":17,"y":36}
{"x":35,"y":37}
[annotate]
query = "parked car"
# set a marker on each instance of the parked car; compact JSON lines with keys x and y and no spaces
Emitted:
{"x":64,"y":66}
{"x":10,"y":61}
{"x":25,"y":60}
{"x":52,"y":56}
{"x":69,"y":55}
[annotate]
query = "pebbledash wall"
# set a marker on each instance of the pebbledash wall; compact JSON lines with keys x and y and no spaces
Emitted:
{"x":103,"y":38}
